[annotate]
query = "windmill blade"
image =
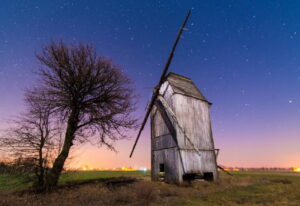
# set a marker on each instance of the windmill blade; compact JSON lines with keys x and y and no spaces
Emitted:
{"x":161,"y":80}
{"x":173,"y":48}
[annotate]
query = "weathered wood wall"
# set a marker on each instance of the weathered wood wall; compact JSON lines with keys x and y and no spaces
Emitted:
{"x":192,"y":115}
{"x":164,"y":147}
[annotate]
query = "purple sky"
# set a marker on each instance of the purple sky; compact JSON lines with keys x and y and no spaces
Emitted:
{"x":243,"y":56}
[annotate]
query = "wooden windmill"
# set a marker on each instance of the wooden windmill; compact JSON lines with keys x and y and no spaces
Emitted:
{"x":182,"y":146}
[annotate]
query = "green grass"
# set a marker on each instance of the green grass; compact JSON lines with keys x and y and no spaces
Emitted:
{"x":91,"y":175}
{"x":256,"y":188}
{"x":247,"y":188}
{"x":264,"y":194}
{"x":14,"y":182}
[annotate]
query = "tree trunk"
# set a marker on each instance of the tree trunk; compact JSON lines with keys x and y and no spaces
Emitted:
{"x":41,"y":167}
{"x":54,"y":173}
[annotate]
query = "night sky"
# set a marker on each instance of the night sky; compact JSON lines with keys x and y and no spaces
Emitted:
{"x":243,"y":55}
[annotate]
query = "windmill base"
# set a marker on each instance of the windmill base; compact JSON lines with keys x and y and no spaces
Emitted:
{"x":206,"y":176}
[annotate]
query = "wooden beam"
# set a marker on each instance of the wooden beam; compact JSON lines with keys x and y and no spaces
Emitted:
{"x":165,"y":111}
{"x":166,"y":119}
{"x":211,"y":150}
{"x":166,"y":148}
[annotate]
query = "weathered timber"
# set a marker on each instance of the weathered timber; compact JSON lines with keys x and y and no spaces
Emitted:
{"x":182,"y":141}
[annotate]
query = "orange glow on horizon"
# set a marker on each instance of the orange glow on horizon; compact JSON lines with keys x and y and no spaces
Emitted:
{"x":296,"y":169}
{"x":86,"y":168}
{"x":103,"y":159}
{"x":127,"y":169}
{"x":232,"y":169}
{"x":124,"y":169}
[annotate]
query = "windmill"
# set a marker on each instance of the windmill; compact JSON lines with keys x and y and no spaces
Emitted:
{"x":182,"y":146}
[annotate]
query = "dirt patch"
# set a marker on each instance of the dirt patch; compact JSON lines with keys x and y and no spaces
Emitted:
{"x":282,"y":181}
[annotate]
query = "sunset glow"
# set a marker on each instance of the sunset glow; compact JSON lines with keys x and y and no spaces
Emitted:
{"x":297,"y":169}
{"x":232,"y":169}
{"x":125,"y":169}
{"x":86,"y":168}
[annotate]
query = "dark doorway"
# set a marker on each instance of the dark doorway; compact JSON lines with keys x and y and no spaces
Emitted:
{"x":189,"y":177}
{"x":161,"y":172}
{"x":161,"y":167}
{"x":208,"y":176}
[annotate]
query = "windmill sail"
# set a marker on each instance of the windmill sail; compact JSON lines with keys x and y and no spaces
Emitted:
{"x":162,"y":77}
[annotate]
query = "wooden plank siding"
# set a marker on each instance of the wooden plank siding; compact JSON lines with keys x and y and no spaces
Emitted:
{"x":181,"y":135}
{"x":193,"y":116}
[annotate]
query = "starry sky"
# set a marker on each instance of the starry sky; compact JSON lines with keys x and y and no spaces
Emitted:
{"x":243,"y":55}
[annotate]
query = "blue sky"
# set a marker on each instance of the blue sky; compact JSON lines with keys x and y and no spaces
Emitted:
{"x":243,"y":56}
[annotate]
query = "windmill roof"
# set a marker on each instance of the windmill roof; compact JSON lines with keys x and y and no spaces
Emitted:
{"x":184,"y":85}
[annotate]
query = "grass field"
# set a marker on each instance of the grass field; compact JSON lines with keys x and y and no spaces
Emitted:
{"x":17,"y":182}
{"x":243,"y":188}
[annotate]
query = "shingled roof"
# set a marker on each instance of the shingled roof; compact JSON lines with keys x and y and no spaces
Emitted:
{"x":184,"y":85}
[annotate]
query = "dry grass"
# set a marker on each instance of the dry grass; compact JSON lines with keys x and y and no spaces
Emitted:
{"x":241,"y":189}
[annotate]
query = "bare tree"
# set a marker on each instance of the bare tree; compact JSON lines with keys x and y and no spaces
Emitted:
{"x":32,"y":140}
{"x":87,"y":92}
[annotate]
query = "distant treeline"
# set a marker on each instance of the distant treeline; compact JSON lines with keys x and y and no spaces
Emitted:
{"x":19,"y":166}
{"x":259,"y":168}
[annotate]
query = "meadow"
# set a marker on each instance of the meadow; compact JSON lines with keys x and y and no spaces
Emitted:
{"x":243,"y":188}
